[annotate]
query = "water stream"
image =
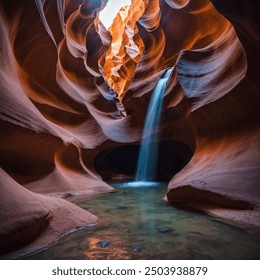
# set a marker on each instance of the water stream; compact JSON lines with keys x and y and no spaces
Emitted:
{"x":147,"y":160}
{"x":137,"y":224}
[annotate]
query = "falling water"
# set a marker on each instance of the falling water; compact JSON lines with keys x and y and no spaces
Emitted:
{"x":147,"y":161}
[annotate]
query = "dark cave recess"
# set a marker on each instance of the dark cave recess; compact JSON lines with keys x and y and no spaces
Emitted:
{"x":122,"y":161}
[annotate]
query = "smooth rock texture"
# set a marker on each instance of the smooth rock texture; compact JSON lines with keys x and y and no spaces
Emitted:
{"x":30,"y":221}
{"x":60,"y":134}
{"x":224,"y":171}
{"x":23,"y":216}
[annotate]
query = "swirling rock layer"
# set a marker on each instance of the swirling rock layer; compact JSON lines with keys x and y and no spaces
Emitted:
{"x":60,"y":132}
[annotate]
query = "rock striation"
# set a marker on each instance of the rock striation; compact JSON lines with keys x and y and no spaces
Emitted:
{"x":62,"y":132}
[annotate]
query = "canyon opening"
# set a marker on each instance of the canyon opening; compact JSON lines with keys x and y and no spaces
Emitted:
{"x":129,"y":131}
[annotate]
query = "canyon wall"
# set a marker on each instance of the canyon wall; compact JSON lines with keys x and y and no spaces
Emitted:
{"x":65,"y":81}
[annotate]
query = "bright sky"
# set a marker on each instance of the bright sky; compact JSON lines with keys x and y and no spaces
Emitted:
{"x":108,"y":14}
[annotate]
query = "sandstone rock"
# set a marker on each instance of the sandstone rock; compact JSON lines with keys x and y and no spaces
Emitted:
{"x":58,"y":132}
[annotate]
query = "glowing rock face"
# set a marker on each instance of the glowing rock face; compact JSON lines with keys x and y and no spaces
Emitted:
{"x":126,"y":48}
{"x":56,"y":57}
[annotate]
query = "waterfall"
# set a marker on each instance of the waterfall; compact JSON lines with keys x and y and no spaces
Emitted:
{"x":147,"y":160}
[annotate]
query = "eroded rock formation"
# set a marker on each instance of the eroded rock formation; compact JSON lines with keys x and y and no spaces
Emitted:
{"x":62,"y":133}
{"x":224,"y":171}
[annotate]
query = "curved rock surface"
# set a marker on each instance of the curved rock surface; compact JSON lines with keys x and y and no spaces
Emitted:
{"x":30,"y":220}
{"x":60,"y":68}
{"x":224,"y":171}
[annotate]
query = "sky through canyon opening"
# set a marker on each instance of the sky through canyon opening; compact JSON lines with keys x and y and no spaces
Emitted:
{"x":108,"y":14}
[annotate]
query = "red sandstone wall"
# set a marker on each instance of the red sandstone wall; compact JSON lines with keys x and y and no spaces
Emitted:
{"x":56,"y":57}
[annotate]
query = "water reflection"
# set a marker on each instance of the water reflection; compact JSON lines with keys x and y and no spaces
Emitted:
{"x":116,"y":248}
{"x":137,"y":224}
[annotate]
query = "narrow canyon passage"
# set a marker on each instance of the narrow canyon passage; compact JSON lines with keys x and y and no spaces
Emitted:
{"x":75,"y":94}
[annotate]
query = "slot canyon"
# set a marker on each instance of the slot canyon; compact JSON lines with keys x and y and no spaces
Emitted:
{"x":75,"y":94}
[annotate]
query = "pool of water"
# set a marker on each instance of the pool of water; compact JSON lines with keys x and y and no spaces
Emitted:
{"x":137,"y":224}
